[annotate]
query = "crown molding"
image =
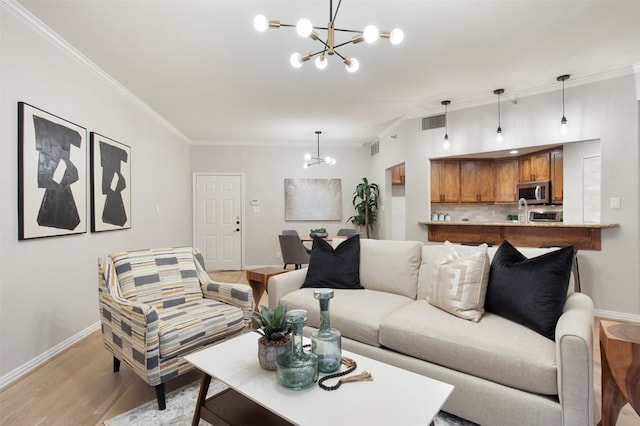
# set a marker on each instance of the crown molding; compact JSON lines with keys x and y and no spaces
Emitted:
{"x":17,"y":10}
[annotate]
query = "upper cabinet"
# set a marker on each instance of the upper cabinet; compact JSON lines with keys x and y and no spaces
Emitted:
{"x":506,"y":181}
{"x":476,"y":181}
{"x":445,"y":181}
{"x":534,"y":167}
{"x":557,"y":183}
{"x":397,"y":174}
{"x":494,"y":181}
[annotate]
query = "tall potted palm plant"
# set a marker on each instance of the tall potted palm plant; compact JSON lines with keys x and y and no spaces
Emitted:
{"x":365,"y":201}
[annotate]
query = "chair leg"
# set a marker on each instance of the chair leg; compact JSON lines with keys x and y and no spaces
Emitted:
{"x":160,"y":396}
{"x":116,"y":364}
{"x":285,"y":266}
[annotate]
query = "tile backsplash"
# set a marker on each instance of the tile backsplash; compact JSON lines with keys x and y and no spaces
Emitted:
{"x":476,"y":213}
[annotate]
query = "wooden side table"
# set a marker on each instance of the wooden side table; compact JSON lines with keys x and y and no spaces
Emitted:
{"x":259,"y":281}
{"x":620,"y":354}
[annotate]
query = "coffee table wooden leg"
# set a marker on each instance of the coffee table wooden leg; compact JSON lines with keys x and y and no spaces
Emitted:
{"x":612,"y":399}
{"x":202,"y":398}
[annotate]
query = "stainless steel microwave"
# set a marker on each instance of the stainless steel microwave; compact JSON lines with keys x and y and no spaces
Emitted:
{"x":535,"y":192}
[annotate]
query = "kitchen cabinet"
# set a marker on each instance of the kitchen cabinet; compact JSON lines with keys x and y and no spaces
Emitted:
{"x":506,"y":181}
{"x":556,"y":176}
{"x":397,"y":175}
{"x":534,"y":167}
{"x":477,"y":181}
{"x":445,"y":181}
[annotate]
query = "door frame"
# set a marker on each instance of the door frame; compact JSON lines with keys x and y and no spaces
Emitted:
{"x":242,"y":212}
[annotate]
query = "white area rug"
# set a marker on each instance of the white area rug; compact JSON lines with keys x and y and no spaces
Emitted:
{"x":181,"y":405}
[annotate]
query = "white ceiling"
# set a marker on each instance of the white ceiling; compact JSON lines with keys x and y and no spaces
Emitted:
{"x":202,"y":66}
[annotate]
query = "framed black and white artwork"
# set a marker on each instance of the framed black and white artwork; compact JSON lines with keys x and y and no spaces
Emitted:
{"x":52,"y":175}
{"x":110,"y":184}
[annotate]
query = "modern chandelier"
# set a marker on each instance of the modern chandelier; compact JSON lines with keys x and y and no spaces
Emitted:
{"x":305,"y":28}
{"x":313,"y":161}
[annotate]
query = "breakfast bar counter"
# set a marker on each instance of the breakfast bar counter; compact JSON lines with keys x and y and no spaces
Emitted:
{"x":585,"y":236}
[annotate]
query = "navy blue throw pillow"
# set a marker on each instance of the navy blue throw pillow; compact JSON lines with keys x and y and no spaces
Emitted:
{"x":337,"y":268}
{"x":531,"y":292}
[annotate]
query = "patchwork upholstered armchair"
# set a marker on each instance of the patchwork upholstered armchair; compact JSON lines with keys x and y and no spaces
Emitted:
{"x":158,"y":305}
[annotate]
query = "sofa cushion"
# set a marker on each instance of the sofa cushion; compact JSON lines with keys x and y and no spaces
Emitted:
{"x":390,"y":266}
{"x":334,"y":267}
{"x":159,"y":277}
{"x":356,"y":314}
{"x":459,"y":281}
{"x":532,"y":291}
{"x":194,"y":323}
{"x":494,"y":348}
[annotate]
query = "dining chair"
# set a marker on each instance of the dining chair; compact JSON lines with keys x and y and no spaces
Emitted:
{"x":293,"y":251}
{"x":343,"y":232}
{"x":294,"y":232}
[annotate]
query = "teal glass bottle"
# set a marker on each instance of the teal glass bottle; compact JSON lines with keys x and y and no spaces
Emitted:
{"x":326,"y":342}
{"x":297,"y":369}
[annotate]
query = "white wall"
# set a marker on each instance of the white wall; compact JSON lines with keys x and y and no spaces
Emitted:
{"x":606,"y":111}
{"x":48,"y":287}
{"x":265,"y":169}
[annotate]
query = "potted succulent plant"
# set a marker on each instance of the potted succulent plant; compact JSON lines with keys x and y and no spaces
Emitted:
{"x":275,"y":335}
{"x":319,"y":232}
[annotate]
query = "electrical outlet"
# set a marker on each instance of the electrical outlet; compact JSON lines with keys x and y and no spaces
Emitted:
{"x":278,"y":254}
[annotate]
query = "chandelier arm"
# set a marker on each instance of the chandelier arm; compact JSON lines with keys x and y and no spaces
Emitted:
{"x":347,"y":31}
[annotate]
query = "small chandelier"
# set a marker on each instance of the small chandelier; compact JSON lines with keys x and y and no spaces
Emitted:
{"x":305,"y":28}
{"x":445,"y":143}
{"x":563,"y":122}
{"x":313,"y":161}
{"x":499,"y":137}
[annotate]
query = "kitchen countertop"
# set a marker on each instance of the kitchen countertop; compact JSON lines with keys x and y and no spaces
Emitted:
{"x":529,"y":224}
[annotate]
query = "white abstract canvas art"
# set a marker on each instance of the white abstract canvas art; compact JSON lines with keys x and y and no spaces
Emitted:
{"x":312,"y":199}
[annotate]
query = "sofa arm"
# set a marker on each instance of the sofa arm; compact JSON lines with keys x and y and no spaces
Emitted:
{"x":282,"y":284}
{"x":574,"y":355}
{"x":130,"y":332}
{"x":235,"y":294}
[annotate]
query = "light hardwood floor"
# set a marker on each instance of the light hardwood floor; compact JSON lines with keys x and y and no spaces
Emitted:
{"x":78,"y":387}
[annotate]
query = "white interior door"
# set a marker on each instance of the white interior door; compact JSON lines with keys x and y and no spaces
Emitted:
{"x":217,"y":222}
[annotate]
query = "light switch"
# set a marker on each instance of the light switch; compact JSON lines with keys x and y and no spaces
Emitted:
{"x":614,"y":202}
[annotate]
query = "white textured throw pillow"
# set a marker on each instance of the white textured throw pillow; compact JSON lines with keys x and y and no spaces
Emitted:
{"x":459,"y":281}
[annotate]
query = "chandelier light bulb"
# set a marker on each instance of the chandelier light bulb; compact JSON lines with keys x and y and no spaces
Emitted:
{"x":305,"y":165}
{"x":307,"y":157}
{"x":327,"y":159}
{"x":352,"y":64}
{"x":397,"y":35}
{"x":371,"y":33}
{"x":260,"y":23}
{"x":295,"y":60}
{"x":304,"y":27}
{"x":321,"y":62}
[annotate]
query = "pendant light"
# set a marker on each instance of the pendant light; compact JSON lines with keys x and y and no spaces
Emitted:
{"x":499,"y":137}
{"x":563,"y":122}
{"x":445,"y":143}
{"x":314,"y":161}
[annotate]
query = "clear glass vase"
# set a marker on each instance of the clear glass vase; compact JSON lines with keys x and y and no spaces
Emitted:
{"x":297,"y":369}
{"x":326,"y":342}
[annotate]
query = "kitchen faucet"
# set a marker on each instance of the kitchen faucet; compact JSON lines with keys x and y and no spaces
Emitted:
{"x":523,"y":203}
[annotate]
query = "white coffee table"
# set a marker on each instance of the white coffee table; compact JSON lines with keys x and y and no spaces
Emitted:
{"x":395,"y":396}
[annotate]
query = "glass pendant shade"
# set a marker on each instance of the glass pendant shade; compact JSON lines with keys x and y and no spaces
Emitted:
{"x":499,"y":137}
{"x":326,"y":341}
{"x":564,"y":129}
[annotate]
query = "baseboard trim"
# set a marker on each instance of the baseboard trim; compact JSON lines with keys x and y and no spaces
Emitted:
{"x":46,"y":356}
{"x":618,"y":316}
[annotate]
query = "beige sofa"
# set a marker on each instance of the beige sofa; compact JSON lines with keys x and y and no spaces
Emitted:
{"x":503,"y":372}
